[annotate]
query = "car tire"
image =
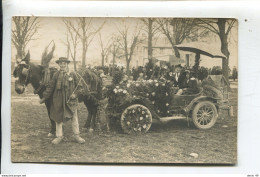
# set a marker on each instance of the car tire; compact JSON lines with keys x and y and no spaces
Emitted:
{"x":204,"y":115}
{"x":136,"y":118}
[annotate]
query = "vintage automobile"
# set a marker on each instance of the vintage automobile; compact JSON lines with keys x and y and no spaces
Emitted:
{"x":137,"y":104}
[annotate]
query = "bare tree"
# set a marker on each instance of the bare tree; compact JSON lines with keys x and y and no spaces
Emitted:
{"x":222,"y":28}
{"x":105,"y":49}
{"x":86,"y":34}
{"x":72,"y":40}
{"x":23,"y":32}
{"x":176,"y":30}
{"x":151,"y":28}
{"x":129,"y":39}
{"x":114,"y":50}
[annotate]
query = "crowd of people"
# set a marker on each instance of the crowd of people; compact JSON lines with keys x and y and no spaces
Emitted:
{"x":182,"y":77}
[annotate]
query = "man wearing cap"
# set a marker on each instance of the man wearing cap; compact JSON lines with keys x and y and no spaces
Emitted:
{"x":63,"y":90}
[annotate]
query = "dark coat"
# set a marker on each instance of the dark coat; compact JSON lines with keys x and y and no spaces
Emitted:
{"x":178,"y":82}
{"x":192,"y":87}
{"x":59,"y":91}
{"x":183,"y":83}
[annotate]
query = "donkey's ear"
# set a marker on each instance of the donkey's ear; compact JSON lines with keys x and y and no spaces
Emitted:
{"x":27,"y":57}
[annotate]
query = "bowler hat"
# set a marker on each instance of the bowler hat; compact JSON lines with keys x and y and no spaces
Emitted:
{"x":62,"y":59}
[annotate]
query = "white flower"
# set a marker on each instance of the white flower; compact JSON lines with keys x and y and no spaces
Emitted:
{"x":147,"y":94}
{"x":144,"y":126}
{"x":156,"y":84}
{"x":151,"y":70}
{"x":70,"y":79}
{"x":168,"y":111}
{"x":128,"y":85}
{"x":141,"y":118}
{"x":135,"y":129}
{"x":133,"y":111}
{"x":155,"y":80}
{"x":166,"y":94}
{"x":170,"y":73}
{"x":124,"y":91}
{"x":120,"y":90}
{"x":158,"y":110}
{"x":117,"y":87}
{"x":137,"y":85}
{"x":146,"y":116}
{"x":163,"y":84}
{"x":153,"y":93}
{"x":152,"y":102}
{"x":167,"y":104}
{"x":143,"y":112}
{"x":115,"y":90}
{"x":104,"y":88}
{"x":150,"y":81}
{"x":134,"y":96}
{"x":128,"y":123}
{"x":140,"y":129}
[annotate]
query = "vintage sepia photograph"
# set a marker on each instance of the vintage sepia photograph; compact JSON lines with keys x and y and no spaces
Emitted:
{"x":124,"y":90}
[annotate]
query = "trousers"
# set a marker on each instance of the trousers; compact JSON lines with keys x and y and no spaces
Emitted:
{"x":75,"y":125}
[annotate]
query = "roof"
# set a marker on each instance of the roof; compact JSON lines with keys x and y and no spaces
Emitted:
{"x":204,"y":48}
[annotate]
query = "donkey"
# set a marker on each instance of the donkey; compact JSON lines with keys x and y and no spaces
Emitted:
{"x":29,"y":73}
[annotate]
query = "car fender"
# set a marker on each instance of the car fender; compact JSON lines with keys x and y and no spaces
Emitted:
{"x":192,"y":104}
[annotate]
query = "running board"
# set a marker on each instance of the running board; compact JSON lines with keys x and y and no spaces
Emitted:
{"x":174,"y":117}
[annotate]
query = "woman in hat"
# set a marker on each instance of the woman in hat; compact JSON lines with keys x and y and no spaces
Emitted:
{"x":63,"y":88}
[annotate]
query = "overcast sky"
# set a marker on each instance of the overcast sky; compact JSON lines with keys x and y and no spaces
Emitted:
{"x":54,"y":29}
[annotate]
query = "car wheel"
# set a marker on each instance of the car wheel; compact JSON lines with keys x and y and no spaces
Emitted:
{"x":136,"y":118}
{"x":204,"y":115}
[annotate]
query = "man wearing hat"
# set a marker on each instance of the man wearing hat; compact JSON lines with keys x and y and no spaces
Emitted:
{"x":63,"y":90}
{"x":177,"y":76}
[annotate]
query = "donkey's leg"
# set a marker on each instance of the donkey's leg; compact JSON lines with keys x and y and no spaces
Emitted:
{"x":96,"y":118}
{"x":92,"y":118}
{"x":87,"y":124}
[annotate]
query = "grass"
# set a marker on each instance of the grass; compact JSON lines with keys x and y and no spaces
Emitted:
{"x":170,"y":142}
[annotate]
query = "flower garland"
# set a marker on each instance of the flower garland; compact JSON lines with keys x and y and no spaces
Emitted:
{"x":136,"y":119}
{"x":156,"y":91}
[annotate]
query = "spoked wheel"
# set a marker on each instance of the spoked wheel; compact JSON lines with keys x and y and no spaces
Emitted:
{"x":204,"y":115}
{"x":136,"y":119}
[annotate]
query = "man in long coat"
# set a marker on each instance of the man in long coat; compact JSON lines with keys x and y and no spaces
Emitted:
{"x":63,"y":89}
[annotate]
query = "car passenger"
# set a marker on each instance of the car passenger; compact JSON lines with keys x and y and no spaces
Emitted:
{"x":189,"y":84}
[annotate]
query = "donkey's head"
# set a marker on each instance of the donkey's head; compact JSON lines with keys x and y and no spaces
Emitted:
{"x":22,"y":72}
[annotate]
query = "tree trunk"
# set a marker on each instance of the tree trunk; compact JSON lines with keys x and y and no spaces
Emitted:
{"x":176,"y":51}
{"x":74,"y":60}
{"x":103,"y":60}
{"x":197,"y":63}
{"x":113,"y":67}
{"x":127,"y":66}
{"x":224,"y":47}
{"x":150,"y":39}
{"x":20,"y":53}
{"x":84,"y":52}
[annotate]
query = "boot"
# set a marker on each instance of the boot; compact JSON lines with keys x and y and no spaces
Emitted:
{"x":79,"y":139}
{"x":57,"y":140}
